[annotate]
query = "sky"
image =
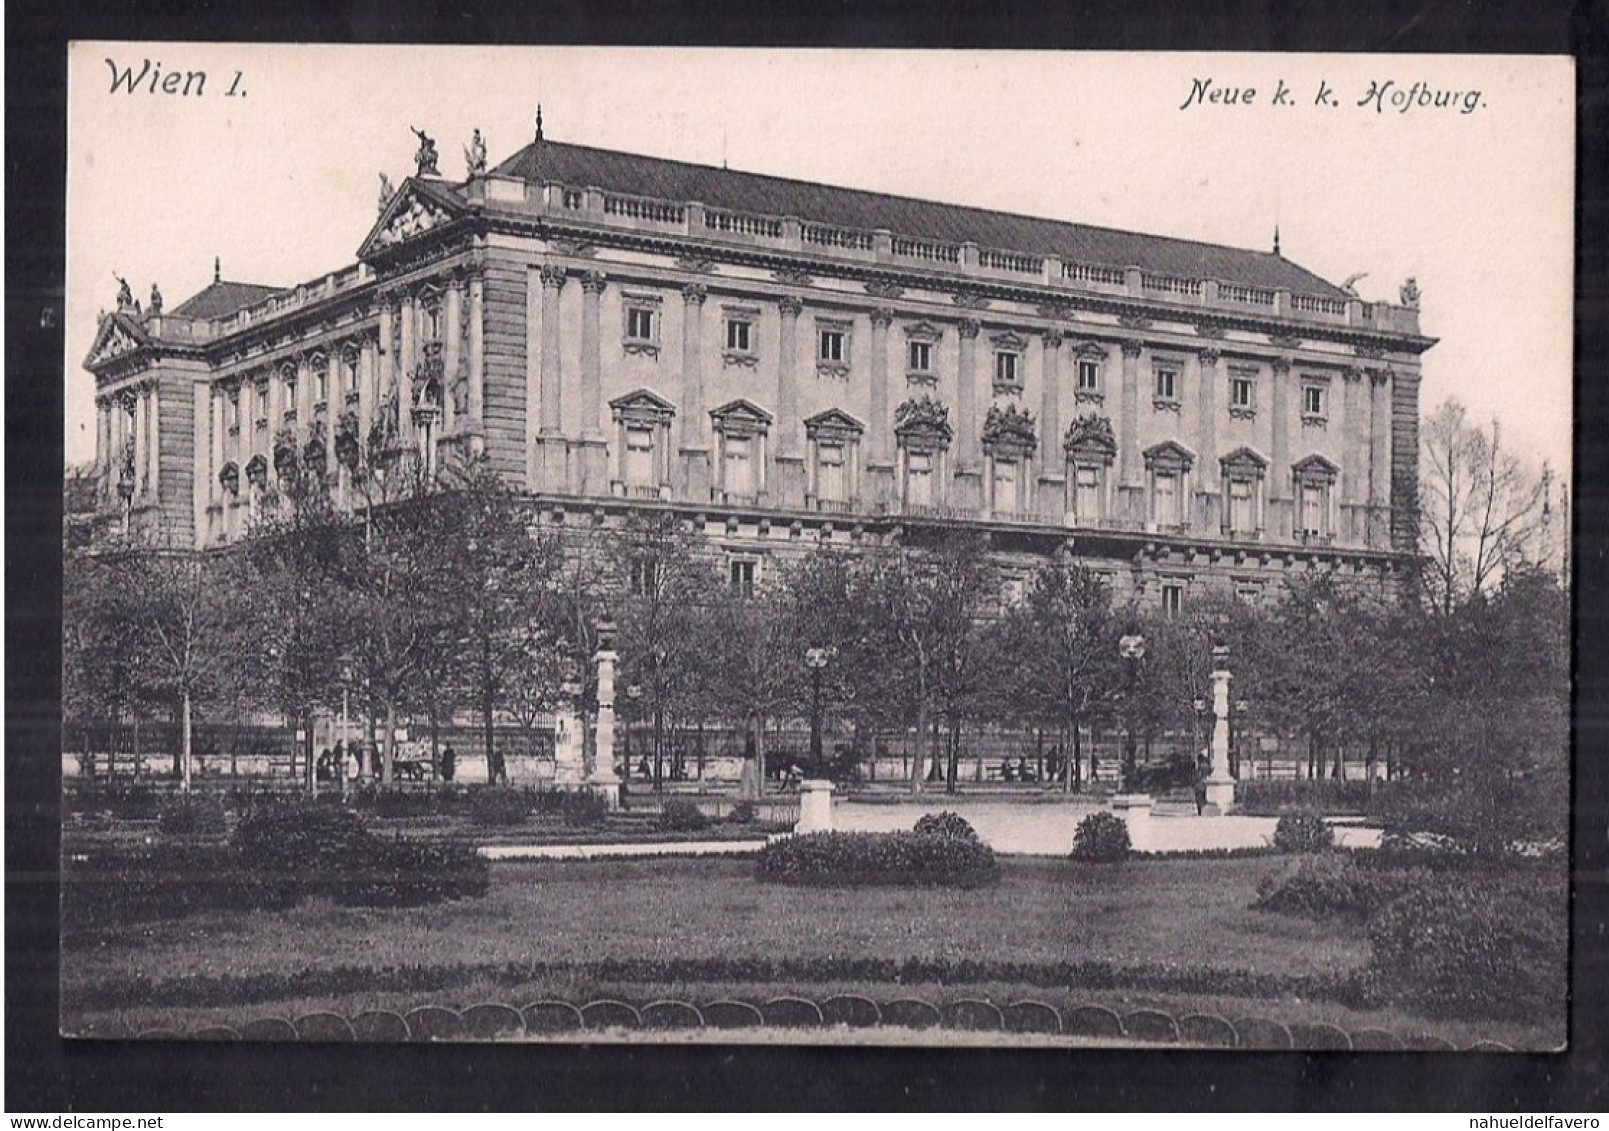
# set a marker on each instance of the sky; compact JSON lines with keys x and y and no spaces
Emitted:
{"x":273,"y":167}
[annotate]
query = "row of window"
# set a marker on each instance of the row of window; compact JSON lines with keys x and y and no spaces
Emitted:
{"x":252,"y":398}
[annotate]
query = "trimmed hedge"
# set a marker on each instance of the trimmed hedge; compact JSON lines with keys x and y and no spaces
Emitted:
{"x":499,"y":807}
{"x":1102,"y":838}
{"x":945,"y":824}
{"x":681,"y":815}
{"x":1335,"y":885}
{"x":1324,"y":795}
{"x":836,"y":859}
{"x":743,"y":813}
{"x":1303,"y":832}
{"x":1469,"y":950}
{"x":113,"y":886}
{"x":414,"y":873}
{"x":200,"y":814}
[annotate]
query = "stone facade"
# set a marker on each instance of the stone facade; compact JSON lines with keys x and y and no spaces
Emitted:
{"x":1174,"y":413}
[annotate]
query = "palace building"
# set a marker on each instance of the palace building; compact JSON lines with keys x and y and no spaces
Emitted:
{"x":787,"y":364}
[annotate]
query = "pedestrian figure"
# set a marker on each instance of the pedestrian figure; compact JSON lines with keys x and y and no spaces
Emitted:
{"x":449,"y":762}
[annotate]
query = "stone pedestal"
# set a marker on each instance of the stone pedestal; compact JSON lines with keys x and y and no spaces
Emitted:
{"x":695,"y":478}
{"x":552,"y":464}
{"x":589,"y":467}
{"x":1135,"y":809}
{"x":569,"y":766}
{"x":604,"y":781}
{"x":967,"y":489}
{"x":815,"y":807}
{"x":879,"y":486}
{"x":1220,"y":786}
{"x":788,"y":491}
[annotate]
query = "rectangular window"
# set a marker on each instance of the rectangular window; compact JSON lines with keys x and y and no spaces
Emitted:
{"x":739,"y":466}
{"x":1312,"y":508}
{"x":1166,"y":500}
{"x":1172,"y":599}
{"x":1312,"y":400}
{"x":741,"y":572}
{"x":1167,"y":384}
{"x":640,"y":324}
{"x":349,"y":374}
{"x":919,"y":478}
{"x":921,"y":357}
{"x":640,"y":471}
{"x":1087,"y":492}
{"x":234,"y":408}
{"x":832,"y":346}
{"x":321,"y":385}
{"x":1005,"y":485}
{"x":1005,"y":368}
{"x":1089,"y":376}
{"x":644,"y":577}
{"x":739,"y":335}
{"x":1240,"y":392}
{"x":831,"y":479}
{"x":1241,"y":517}
{"x":290,"y":396}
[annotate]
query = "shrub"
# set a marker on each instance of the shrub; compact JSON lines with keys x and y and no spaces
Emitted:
{"x":581,"y":806}
{"x":114,"y":886}
{"x":500,"y":806}
{"x":407,"y":873}
{"x":945,"y":824}
{"x":198,"y":815}
{"x":1101,"y":838}
{"x":405,"y":803}
{"x":1472,"y":950}
{"x":313,"y":844}
{"x":1335,"y":884}
{"x":1303,"y":832}
{"x":1272,"y":798}
{"x":900,"y":858}
{"x":137,"y":802}
{"x":743,"y":813}
{"x":681,"y":815}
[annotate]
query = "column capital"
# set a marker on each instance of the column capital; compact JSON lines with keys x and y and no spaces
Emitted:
{"x":968,"y":327}
{"x":1209,"y":355}
{"x":883,"y":316}
{"x":1053,"y":338}
{"x":790,"y":305}
{"x":1378,"y":377}
{"x":594,"y":282}
{"x":1132,"y":347}
{"x":1280,"y":365}
{"x":553,"y":276}
{"x":1352,"y":374}
{"x":694,"y":294}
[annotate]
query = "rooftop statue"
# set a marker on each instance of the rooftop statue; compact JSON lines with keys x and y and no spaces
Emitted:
{"x":156,"y":299}
{"x":425,"y":159}
{"x":1410,"y":293}
{"x":125,"y":293}
{"x":387,"y":191}
{"x":475,"y":156}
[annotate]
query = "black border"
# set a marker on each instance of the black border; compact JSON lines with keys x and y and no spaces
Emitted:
{"x":46,"y":1075}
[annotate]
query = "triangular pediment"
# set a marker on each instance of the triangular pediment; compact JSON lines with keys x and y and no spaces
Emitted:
{"x":416,"y":208}
{"x":118,"y":334}
{"x":1316,"y":469}
{"x":740,"y":409}
{"x":833,"y":420}
{"x":1244,"y":458}
{"x":1169,"y":455}
{"x":642,"y":405}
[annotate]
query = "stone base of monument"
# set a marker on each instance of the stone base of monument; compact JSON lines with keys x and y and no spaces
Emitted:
{"x":815,"y":807}
{"x":1220,"y":797}
{"x":606,"y":787}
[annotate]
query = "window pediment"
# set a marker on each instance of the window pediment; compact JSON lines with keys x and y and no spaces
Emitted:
{"x":1091,"y":435}
{"x":923,"y":332}
{"x":740,"y":418}
{"x":1315,"y":469}
{"x":1009,"y":429}
{"x":1170,"y":455}
{"x":1244,"y":463}
{"x":642,"y":406}
{"x":833,"y":424}
{"x":1009,"y":340}
{"x":922,"y":421}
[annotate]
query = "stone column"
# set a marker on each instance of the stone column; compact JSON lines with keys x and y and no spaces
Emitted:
{"x":877,"y":487}
{"x":405,"y":363}
{"x":604,"y":781}
{"x":385,"y":376}
{"x":153,"y":445}
{"x":968,"y":492}
{"x":366,"y":388}
{"x":551,"y":448}
{"x":101,"y":447}
{"x":1379,"y":456}
{"x":1280,"y":517}
{"x":1130,"y":465}
{"x":452,"y":353}
{"x":476,"y":424}
{"x":304,"y":395}
{"x":215,"y":447}
{"x":1220,"y":786}
{"x":1208,"y":483}
{"x":787,"y":485}
{"x":694,"y":475}
{"x":141,"y":415}
{"x":590,"y":454}
{"x":1354,"y":444}
{"x":1052,"y":458}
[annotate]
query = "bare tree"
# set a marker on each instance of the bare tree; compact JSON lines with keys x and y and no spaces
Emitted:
{"x":1481,"y":507}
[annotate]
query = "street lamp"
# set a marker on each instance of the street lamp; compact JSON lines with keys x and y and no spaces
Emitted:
{"x":817,"y":659}
{"x":346,"y":738}
{"x":1132,"y":650}
{"x":1241,"y":707}
{"x":634,"y":693}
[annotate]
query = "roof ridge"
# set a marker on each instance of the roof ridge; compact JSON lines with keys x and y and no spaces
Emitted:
{"x":513,"y":158}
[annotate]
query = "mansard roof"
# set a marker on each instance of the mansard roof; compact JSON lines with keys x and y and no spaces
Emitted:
{"x":221,"y":298}
{"x":584,"y":166}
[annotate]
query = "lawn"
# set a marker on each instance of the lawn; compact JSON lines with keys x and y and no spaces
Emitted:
{"x":1139,"y":933}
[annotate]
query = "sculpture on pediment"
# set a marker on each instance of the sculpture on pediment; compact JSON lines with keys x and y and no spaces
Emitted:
{"x":922,"y":416}
{"x":427,"y":156}
{"x":1009,"y":426}
{"x":125,"y":294}
{"x":411,"y":221}
{"x":156,"y":299}
{"x":1091,"y":432}
{"x":1409,"y":293}
{"x":475,"y":155}
{"x":387,"y":191}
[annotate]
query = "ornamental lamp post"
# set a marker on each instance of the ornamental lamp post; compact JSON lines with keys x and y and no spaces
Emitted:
{"x":1236,"y":736}
{"x":1132,"y":650}
{"x":346,"y":738}
{"x":817,"y":659}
